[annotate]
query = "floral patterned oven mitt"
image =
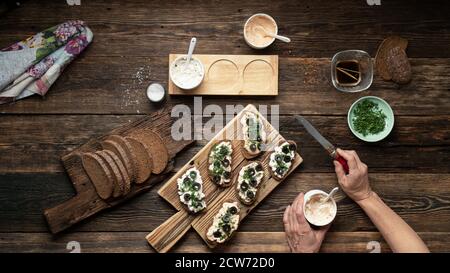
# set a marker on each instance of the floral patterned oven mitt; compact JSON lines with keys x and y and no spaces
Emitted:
{"x":31,"y":66}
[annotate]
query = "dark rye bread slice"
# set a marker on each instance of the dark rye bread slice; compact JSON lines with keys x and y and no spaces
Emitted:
{"x":123,"y":172}
{"x":249,"y":154}
{"x":381,"y":57}
{"x":117,"y":178}
{"x":236,"y":181}
{"x":117,"y":148}
{"x":215,"y":243}
{"x":143,"y":161}
{"x":292,"y":160}
{"x":99,"y":173}
{"x":126,"y":146}
{"x":155,"y":147}
{"x":211,"y":161}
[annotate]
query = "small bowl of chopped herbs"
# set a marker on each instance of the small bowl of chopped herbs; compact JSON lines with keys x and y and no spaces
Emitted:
{"x":370,"y":119}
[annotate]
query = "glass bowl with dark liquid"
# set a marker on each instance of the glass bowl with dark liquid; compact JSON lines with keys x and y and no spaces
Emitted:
{"x":351,"y":71}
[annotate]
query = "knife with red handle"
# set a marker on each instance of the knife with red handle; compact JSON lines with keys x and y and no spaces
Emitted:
{"x":325,"y":143}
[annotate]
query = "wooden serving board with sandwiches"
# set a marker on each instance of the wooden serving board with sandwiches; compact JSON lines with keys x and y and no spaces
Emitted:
{"x":115,"y":167}
{"x":215,"y":196}
{"x":249,"y":75}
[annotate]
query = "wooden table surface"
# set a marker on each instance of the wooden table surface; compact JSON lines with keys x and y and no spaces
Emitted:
{"x":104,"y":88}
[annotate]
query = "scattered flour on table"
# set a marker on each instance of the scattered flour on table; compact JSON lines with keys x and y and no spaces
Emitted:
{"x":134,"y":92}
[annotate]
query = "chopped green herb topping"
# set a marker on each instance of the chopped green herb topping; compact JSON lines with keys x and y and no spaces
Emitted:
{"x":368,"y":118}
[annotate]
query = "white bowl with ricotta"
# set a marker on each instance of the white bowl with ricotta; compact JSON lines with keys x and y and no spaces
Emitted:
{"x":186,"y":75}
{"x":316,"y":211}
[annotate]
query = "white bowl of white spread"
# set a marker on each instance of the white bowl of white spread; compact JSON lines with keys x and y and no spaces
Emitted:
{"x":186,"y":75}
{"x":316,"y":211}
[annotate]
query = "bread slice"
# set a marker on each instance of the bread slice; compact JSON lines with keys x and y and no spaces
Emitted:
{"x":249,"y":154}
{"x":290,"y":167}
{"x":123,"y":172}
{"x":243,"y":123}
{"x":98,"y":172}
{"x":221,"y":183}
{"x":117,"y":148}
{"x":211,"y":240}
{"x":143,"y":161}
{"x":381,"y":56}
{"x":114,"y":169}
{"x":238,"y":190}
{"x":126,"y":146}
{"x":155,"y":147}
{"x":189,"y":184}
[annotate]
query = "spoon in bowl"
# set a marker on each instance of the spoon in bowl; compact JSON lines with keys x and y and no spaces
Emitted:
{"x":276,"y":36}
{"x":330,"y":195}
{"x":191,"y":49}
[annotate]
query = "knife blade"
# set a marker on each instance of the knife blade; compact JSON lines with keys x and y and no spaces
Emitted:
{"x":323,"y":141}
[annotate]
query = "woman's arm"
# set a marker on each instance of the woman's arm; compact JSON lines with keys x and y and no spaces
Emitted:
{"x":397,"y":233}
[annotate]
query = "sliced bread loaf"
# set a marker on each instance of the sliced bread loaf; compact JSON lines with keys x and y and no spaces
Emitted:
{"x":123,"y":172}
{"x":114,"y":169}
{"x":143,"y":161}
{"x":155,"y":147}
{"x":118,"y":149}
{"x":99,"y":173}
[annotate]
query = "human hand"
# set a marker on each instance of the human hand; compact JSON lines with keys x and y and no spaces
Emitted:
{"x":356,"y":183}
{"x":300,"y":237}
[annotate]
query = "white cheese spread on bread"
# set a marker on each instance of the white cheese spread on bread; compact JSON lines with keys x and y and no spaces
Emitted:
{"x":281,"y":159}
{"x":225,"y":222}
{"x":190,"y":190}
{"x":249,"y":179}
{"x":220,"y":163}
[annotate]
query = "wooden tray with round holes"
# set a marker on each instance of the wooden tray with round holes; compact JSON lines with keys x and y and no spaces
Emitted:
{"x":246,"y":75}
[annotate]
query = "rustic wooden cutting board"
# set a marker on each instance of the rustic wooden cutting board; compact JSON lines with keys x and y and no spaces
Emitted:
{"x":255,"y":75}
{"x":86,"y":202}
{"x":167,"y":234}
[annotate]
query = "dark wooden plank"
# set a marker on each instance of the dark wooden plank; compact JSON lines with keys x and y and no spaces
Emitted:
{"x":47,"y":129}
{"x":424,"y":141}
{"x":423,"y":200}
{"x":133,"y":242}
{"x":304,"y":87}
{"x":44,"y":158}
{"x":160,"y":26}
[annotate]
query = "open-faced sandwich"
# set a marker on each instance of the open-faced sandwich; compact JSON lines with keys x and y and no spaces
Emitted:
{"x":248,"y":181}
{"x":219,"y":161}
{"x":190,"y":190}
{"x":254,"y":134}
{"x":281,"y":159}
{"x":225,"y":222}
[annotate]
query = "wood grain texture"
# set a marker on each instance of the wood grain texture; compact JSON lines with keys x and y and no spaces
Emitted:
{"x":243,"y":75}
{"x":425,"y":137}
{"x":348,"y":24}
{"x":105,"y":88}
{"x":304,"y":88}
{"x":242,"y":242}
{"x":423,"y":200}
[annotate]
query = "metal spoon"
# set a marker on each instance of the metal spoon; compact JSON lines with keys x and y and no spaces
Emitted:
{"x":276,"y":36}
{"x":330,"y":195}
{"x":191,"y":49}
